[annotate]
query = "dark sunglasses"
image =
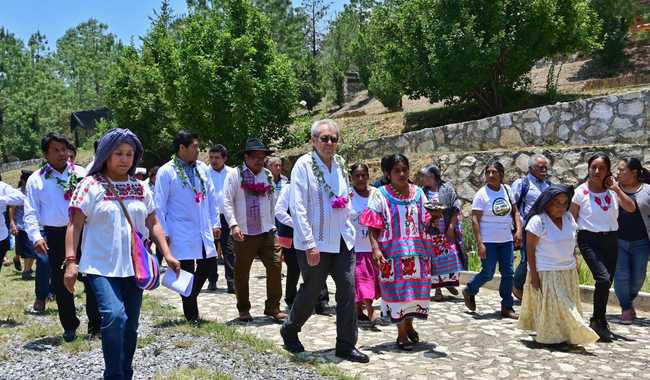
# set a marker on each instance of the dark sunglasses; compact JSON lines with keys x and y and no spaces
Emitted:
{"x":326,"y":138}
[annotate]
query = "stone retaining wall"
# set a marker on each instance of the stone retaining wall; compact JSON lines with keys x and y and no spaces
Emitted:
{"x":603,"y":120}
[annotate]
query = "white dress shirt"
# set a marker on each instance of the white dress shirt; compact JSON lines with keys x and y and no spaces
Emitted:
{"x":234,"y":202}
{"x":315,"y":222}
{"x":45,"y":205}
{"x":187,"y":223}
{"x":8,"y":197}
{"x":282,"y":207}
{"x":218,"y":179}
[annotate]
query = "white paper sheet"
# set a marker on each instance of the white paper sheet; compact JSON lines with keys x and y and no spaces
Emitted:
{"x":181,"y":284}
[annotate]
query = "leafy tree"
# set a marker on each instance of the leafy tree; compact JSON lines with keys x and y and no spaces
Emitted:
{"x":216,"y":72}
{"x":474,"y":51}
{"x":617,"y":17}
{"x":85,"y":54}
{"x":346,"y":47}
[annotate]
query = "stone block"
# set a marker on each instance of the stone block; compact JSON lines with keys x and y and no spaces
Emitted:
{"x":561,"y":166}
{"x":468,"y":161}
{"x":534,"y":128}
{"x":563,"y":132}
{"x":631,"y":109}
{"x":511,"y":138}
{"x":602,"y":111}
{"x":596,"y":130}
{"x":522,"y":162}
{"x":505,"y":120}
{"x":621,"y":124}
{"x":544,"y":115}
{"x":439,"y":136}
{"x":581,"y":170}
{"x":579,"y":124}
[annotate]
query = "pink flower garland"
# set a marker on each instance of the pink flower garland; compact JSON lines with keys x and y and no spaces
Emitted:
{"x":339,"y":201}
{"x":257,"y":187}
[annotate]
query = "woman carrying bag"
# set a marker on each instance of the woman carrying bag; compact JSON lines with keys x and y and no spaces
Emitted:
{"x":113,"y":254}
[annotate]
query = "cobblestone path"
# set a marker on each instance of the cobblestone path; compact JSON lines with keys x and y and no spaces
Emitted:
{"x":455,"y":344}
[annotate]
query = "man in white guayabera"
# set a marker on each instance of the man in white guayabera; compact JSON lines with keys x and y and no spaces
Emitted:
{"x":323,"y":237}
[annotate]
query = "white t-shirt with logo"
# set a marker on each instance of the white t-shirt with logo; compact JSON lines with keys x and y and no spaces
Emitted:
{"x":496,"y":222}
{"x":556,"y":246}
{"x":598,"y":211}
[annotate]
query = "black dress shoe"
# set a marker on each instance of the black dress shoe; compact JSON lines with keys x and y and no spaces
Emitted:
{"x":231,"y":290}
{"x":212,"y":286}
{"x":69,"y":335}
{"x":403,"y":346}
{"x":413,"y":336}
{"x":353,"y":355}
{"x":291,"y":344}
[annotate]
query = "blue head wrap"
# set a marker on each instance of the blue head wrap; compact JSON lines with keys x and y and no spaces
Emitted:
{"x":109,"y":142}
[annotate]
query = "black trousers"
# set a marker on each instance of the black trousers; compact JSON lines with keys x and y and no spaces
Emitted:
{"x":55,"y":237}
{"x":341,"y":266}
{"x":228,"y":256}
{"x":600,"y":251}
{"x":4,"y":247}
{"x":202,"y":268}
{"x":293,"y":275}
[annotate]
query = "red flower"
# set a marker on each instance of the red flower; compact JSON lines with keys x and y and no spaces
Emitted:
{"x":408,"y":266}
{"x":427,"y":266}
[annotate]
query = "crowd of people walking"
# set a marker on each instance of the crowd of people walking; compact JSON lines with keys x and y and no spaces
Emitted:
{"x":396,"y":241}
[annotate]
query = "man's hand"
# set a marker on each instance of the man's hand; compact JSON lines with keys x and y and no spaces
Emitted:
{"x":216,"y":232}
{"x":313,"y":256}
{"x":13,"y":229}
{"x":41,"y":247}
{"x":236,"y":234}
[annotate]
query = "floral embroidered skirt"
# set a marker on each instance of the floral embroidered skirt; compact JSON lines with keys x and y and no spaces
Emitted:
{"x":445,"y":262}
{"x":554,"y":311}
{"x":405,"y":283}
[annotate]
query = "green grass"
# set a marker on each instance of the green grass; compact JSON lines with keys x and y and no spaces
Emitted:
{"x":15,"y":319}
{"x":186,"y":373}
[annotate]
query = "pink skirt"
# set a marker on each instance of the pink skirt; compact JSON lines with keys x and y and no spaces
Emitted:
{"x":366,"y":278}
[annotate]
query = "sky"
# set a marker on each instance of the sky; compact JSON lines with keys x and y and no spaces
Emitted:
{"x":125,"y":18}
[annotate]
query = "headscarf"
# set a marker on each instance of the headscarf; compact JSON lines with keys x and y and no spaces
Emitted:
{"x":544,"y":199}
{"x":109,"y":142}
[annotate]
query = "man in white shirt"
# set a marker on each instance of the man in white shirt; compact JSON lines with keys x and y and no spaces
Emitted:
{"x":249,"y":204}
{"x":218,"y":156}
{"x":274,"y":164}
{"x":324,"y":238}
{"x":48,"y":192}
{"x":186,"y":205}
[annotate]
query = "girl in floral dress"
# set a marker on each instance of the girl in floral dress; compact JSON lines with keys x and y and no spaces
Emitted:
{"x":397,"y":221}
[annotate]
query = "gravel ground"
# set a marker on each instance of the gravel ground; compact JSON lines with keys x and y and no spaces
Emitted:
{"x":164,"y":351}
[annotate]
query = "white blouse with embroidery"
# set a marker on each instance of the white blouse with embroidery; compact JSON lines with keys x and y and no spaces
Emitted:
{"x":106,"y":242}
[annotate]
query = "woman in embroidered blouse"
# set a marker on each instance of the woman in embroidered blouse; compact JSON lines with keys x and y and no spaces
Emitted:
{"x":106,"y":244}
{"x":397,"y":220}
{"x":447,"y":260}
{"x":366,"y":277}
{"x":595,"y":207}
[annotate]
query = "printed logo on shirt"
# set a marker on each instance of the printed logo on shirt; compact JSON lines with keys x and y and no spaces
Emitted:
{"x":500,"y":207}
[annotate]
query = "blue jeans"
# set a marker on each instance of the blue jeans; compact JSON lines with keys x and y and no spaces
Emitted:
{"x":118,"y":301}
{"x":502,"y":253}
{"x":631,"y":266}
